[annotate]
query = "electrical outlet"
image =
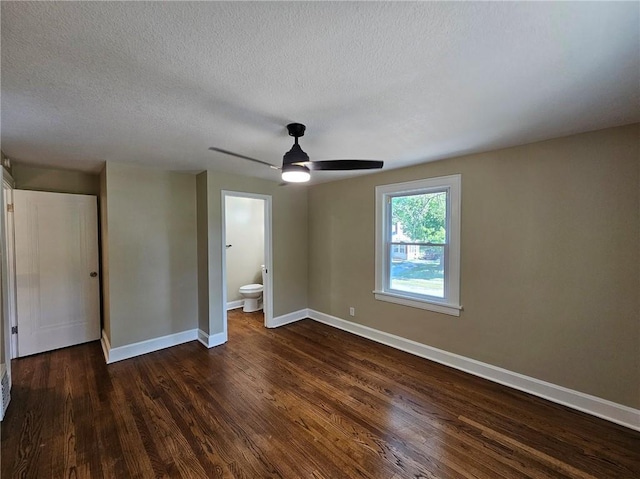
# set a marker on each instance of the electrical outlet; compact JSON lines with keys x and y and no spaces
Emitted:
{"x":352,"y":311}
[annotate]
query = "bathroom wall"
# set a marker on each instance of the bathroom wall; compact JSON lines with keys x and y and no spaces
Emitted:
{"x":244,"y":226}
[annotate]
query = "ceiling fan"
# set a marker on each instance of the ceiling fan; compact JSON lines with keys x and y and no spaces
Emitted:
{"x":296,"y":166}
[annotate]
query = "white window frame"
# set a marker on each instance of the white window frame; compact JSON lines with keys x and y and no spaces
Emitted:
{"x":451,"y":302}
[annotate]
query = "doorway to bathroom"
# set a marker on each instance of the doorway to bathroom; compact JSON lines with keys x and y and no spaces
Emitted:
{"x":246,"y":254}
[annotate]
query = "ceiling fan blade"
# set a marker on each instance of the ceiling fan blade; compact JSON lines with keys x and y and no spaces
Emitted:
{"x":342,"y":165}
{"x":237,"y":155}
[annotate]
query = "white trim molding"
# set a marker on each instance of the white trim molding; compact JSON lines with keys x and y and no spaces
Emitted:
{"x":212,"y":340}
{"x":235,"y":304}
{"x":288,"y":318}
{"x":132,"y":350}
{"x":450,"y":309}
{"x":602,"y":408}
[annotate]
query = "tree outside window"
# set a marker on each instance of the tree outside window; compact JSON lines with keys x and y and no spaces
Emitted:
{"x":420,"y":222}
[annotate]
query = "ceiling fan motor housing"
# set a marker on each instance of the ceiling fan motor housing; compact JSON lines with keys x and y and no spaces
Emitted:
{"x":295,"y":155}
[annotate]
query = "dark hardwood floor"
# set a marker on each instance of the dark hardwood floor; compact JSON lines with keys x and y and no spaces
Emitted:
{"x":301,"y":401}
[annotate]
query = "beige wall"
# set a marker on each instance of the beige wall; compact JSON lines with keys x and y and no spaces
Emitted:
{"x":244,"y":229}
{"x":203,"y":251}
{"x":152,"y":270}
{"x":104,"y":254}
{"x":550,"y":272}
{"x":59,"y":181}
{"x":289,"y":234}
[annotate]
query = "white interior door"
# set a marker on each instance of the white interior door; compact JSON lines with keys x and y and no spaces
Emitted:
{"x":56,"y":270}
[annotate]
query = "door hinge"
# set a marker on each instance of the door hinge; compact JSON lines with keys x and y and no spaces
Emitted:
{"x":14,"y":329}
{"x":10,"y":207}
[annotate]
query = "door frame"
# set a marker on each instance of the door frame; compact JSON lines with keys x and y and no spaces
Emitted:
{"x":268,"y":286}
{"x":10,"y":245}
{"x":8,"y":272}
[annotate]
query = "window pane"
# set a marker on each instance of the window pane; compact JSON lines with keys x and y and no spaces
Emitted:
{"x":419,"y":218}
{"x":419,"y":270}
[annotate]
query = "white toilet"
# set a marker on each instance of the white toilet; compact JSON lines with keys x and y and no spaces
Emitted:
{"x":252,"y":294}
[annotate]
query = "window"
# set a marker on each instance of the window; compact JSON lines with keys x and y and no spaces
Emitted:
{"x":418,"y":244}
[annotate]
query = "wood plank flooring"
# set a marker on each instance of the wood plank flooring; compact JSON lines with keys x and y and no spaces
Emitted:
{"x":301,"y":401}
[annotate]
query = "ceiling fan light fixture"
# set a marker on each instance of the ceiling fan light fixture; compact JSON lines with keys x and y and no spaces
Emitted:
{"x":295,"y":173}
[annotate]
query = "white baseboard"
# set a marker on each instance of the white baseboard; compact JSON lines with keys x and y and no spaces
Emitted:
{"x":288,"y":318}
{"x":602,"y":408}
{"x":212,"y":340}
{"x":143,"y":347}
{"x":235,"y":304}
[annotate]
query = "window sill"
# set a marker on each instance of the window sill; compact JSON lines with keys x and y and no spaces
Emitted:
{"x":450,"y":309}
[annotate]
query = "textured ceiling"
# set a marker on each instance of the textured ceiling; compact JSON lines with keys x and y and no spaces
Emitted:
{"x":158,"y":83}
